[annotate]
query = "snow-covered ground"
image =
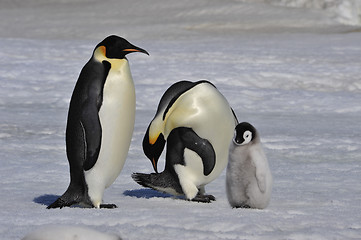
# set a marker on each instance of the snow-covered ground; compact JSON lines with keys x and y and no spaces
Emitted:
{"x":294,"y":73}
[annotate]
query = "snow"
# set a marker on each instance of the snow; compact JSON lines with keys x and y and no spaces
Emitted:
{"x":294,"y":73}
{"x":344,"y":11}
{"x":67,"y":232}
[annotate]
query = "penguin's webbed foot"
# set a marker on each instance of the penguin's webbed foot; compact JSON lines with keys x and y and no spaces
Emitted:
{"x":204,"y":198}
{"x":243,"y":205}
{"x":60,"y":203}
{"x":108,"y":206}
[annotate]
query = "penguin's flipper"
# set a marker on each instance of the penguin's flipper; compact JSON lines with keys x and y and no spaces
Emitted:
{"x":89,"y":116}
{"x":260,"y":162}
{"x":201,"y":146}
{"x":92,"y":133}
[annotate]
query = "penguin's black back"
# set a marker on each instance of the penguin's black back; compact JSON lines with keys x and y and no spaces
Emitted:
{"x":173,"y":93}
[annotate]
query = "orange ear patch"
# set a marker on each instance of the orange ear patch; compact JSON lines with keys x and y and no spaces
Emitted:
{"x":103,"y":50}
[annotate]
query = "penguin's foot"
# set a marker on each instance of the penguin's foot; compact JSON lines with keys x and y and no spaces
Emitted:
{"x":60,"y":203}
{"x":109,"y":206}
{"x":242,"y":206}
{"x":204,"y":198}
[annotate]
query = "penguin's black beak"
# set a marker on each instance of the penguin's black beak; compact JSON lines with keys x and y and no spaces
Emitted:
{"x":154,"y":163}
{"x":153,"y":150}
{"x":135,"y":49}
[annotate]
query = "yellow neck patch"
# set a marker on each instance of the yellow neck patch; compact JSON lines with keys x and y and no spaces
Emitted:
{"x":99,"y":53}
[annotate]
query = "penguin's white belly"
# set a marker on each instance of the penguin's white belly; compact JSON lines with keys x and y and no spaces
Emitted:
{"x":117,"y":115}
{"x":190,"y":174}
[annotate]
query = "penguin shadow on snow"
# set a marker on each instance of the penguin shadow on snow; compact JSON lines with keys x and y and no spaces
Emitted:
{"x":146,"y":193}
{"x":46,"y":199}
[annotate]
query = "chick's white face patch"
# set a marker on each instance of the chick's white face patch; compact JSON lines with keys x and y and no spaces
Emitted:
{"x":247,"y":136}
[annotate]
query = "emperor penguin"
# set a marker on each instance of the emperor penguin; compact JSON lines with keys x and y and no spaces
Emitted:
{"x":100,"y":123}
{"x":248,"y":176}
{"x":196,"y":122}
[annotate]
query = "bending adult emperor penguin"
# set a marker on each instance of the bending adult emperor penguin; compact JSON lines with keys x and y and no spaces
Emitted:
{"x":100,"y":123}
{"x":249,"y":179}
{"x":197,"y":123}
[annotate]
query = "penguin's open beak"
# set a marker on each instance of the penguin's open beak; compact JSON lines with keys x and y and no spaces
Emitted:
{"x":135,"y":49}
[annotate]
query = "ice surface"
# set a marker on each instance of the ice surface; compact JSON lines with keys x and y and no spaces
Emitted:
{"x":294,"y":73}
{"x":345,"y":11}
{"x":68,"y":232}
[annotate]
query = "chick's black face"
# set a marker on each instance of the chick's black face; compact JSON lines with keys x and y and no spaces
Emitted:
{"x":238,"y":137}
{"x":118,"y":47}
{"x":244,"y":133}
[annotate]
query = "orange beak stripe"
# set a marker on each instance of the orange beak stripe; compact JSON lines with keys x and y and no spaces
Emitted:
{"x":130,"y":50}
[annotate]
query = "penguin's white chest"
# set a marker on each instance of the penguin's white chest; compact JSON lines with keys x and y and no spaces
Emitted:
{"x":117,"y":115}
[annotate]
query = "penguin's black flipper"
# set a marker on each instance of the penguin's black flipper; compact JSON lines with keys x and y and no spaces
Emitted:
{"x":181,"y":138}
{"x":89,"y":117}
{"x":93,"y":134}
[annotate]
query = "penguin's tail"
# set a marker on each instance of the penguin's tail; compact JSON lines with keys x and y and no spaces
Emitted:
{"x":163,"y":182}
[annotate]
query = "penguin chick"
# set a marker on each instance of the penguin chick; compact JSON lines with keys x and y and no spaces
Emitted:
{"x":248,"y":177}
{"x":197,"y":123}
{"x":100,"y":123}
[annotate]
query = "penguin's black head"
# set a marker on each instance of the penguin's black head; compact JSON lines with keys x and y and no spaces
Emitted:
{"x":153,"y":150}
{"x":118,"y":47}
{"x":244,"y":133}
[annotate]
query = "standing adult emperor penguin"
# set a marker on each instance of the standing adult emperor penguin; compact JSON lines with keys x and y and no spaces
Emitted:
{"x":197,"y":123}
{"x":100,"y":123}
{"x":249,"y":179}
